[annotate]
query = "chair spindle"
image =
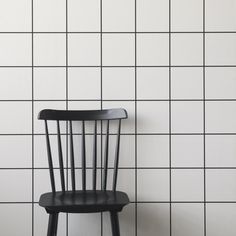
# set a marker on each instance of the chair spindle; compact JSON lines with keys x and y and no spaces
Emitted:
{"x":95,"y":157}
{"x":72,"y":160}
{"x":83,"y":149}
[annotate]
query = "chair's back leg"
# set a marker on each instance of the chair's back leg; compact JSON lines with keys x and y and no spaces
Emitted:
{"x":52,"y":224}
{"x":115,"y":223}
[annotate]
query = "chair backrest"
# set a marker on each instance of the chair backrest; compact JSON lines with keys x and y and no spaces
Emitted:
{"x":70,"y":117}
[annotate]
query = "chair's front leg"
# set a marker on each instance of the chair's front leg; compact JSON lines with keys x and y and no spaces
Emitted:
{"x":52,"y":224}
{"x":115,"y":223}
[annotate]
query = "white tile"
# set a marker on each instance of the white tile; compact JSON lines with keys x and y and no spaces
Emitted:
{"x":118,"y":16}
{"x":220,"y":185}
{"x":17,"y":151}
{"x":45,"y":80}
{"x":220,"y":219}
{"x":128,"y":124}
{"x":187,"y":219}
{"x":118,"y":50}
{"x":15,"y":16}
{"x":152,"y":15}
{"x":186,"y":49}
{"x":16,"y":219}
{"x":17,"y":117}
{"x":39,"y":126}
{"x":49,"y":49}
{"x":153,"y":117}
{"x":127,"y":150}
{"x":16,"y":185}
{"x":187,"y":15}
{"x":41,"y":222}
{"x":187,"y":117}
{"x":153,"y":151}
{"x":153,"y":219}
{"x":84,"y":224}
{"x":152,"y":83}
{"x":220,"y":151}
{"x":152,"y":49}
{"x":220,"y":117}
{"x":187,"y":185}
{"x":220,"y":83}
{"x":50,"y":16}
{"x":187,"y":151}
{"x":118,"y":83}
{"x":149,"y":178}
{"x":83,"y":15}
{"x":16,"y":83}
{"x":84,"y":83}
{"x":126,"y":220}
{"x":15,"y":50}
{"x":220,"y":15}
{"x":220,"y":49}
{"x":186,"y":83}
{"x":84,"y":50}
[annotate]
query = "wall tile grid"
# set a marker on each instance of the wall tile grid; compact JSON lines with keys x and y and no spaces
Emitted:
{"x":170,"y":63}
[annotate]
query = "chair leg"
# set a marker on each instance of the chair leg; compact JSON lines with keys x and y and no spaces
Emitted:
{"x":115,"y":223}
{"x":52,"y":224}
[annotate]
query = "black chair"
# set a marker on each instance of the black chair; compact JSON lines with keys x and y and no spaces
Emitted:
{"x":84,"y":200}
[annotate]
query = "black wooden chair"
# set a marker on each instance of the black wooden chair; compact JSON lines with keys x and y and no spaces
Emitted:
{"x":84,"y":200}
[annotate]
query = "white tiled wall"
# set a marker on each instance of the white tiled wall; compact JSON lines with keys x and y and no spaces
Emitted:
{"x":170,"y":63}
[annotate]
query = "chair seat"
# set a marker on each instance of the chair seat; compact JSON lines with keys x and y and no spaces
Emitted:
{"x":83,"y":201}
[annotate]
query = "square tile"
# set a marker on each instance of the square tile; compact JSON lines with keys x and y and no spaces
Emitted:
{"x":45,"y":80}
{"x":186,"y":83}
{"x":41,"y":222}
{"x":22,"y":148}
{"x":16,"y":83}
{"x":220,"y":15}
{"x":152,"y":151}
{"x":50,"y":16}
{"x":118,"y":83}
{"x":220,"y":49}
{"x":220,"y":83}
{"x":84,"y":16}
{"x":84,"y":83}
{"x":84,"y":49}
{"x":220,"y":219}
{"x":118,"y":16}
{"x":15,"y":50}
{"x":13,"y":213}
{"x":152,"y":49}
{"x":15,"y":16}
{"x":81,"y":223}
{"x":187,"y":150}
{"x":49,"y":49}
{"x":152,"y":83}
{"x":118,"y":50}
{"x":126,"y":220}
{"x":220,"y":117}
{"x":186,"y":49}
{"x":220,"y":185}
{"x":187,"y":219}
{"x":153,"y":219}
{"x":187,"y":15}
{"x":39,"y":126}
{"x":187,"y":185}
{"x":127,"y":126}
{"x":16,"y":124}
{"x":16,"y":185}
{"x":153,"y":117}
{"x":220,"y":150}
{"x":152,"y":16}
{"x":149,"y":178}
{"x":187,"y":117}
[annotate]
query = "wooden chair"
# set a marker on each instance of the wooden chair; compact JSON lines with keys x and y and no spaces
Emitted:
{"x":84,"y":200}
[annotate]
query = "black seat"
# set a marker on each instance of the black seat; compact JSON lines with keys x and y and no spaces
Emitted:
{"x":84,"y":201}
{"x":71,"y":200}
